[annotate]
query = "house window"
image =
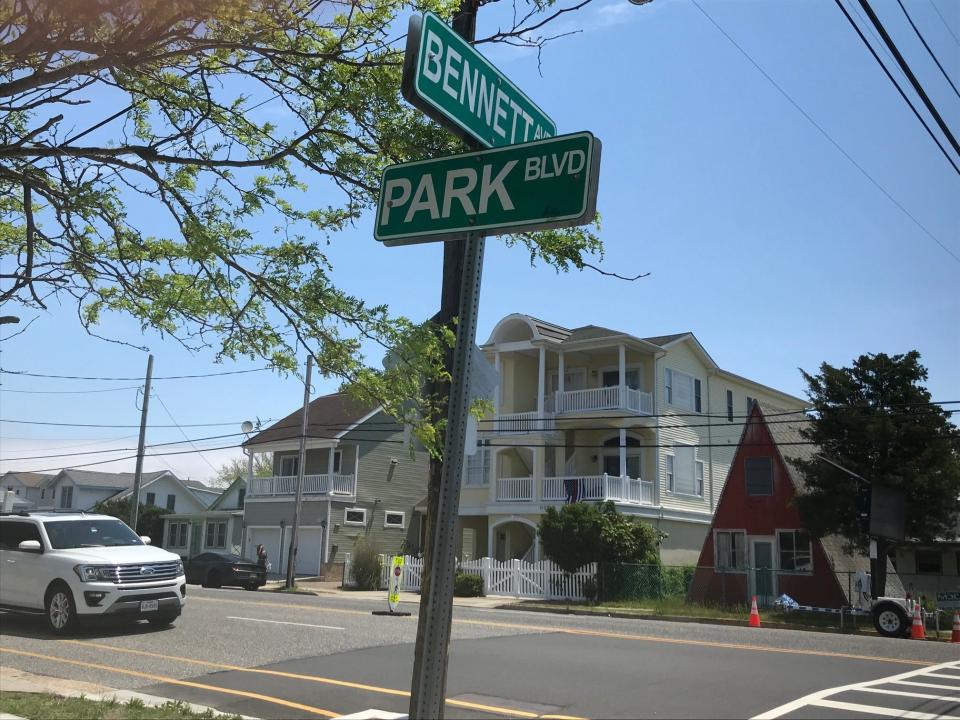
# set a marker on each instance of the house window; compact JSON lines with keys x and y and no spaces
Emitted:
{"x":929,"y":562}
{"x":289,"y":465}
{"x":795,"y":555}
{"x":729,"y":405}
{"x":241,"y":496}
{"x":177,"y":535}
{"x":337,"y":459}
{"x":216,"y":534}
{"x":354,"y":516}
{"x":731,"y":548}
{"x":574,"y":379}
{"x":682,"y":471}
{"x":151,"y":498}
{"x":682,"y":390}
{"x":759,"y":476}
{"x":478,"y":468}
{"x":631,"y":377}
{"x":171,"y":502}
{"x":66,"y":497}
{"x":393,"y":519}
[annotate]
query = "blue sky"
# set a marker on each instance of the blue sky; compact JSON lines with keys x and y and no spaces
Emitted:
{"x":759,"y":236}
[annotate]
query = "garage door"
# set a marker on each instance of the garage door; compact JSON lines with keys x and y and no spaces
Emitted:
{"x":308,"y":552}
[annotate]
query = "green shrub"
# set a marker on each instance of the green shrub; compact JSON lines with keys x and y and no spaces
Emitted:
{"x":467,"y":585}
{"x":365,"y":566}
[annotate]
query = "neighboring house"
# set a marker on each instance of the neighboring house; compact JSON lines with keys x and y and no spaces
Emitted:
{"x":929,"y":568}
{"x":360,"y":482}
{"x":166,"y":490}
{"x":82,"y":489}
{"x":757,"y":544}
{"x":218,"y":528}
{"x":595,"y":414}
{"x":27,"y":487}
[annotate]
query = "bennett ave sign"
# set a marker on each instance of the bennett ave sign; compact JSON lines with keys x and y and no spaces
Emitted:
{"x":455,"y":85}
{"x":534,"y":186}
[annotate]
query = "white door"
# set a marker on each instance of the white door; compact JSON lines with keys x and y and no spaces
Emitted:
{"x":309,"y":551}
{"x":270,"y":539}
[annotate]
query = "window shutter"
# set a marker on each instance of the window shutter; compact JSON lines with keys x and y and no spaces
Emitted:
{"x":696,"y":396}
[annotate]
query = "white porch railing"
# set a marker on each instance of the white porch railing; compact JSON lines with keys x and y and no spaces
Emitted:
{"x":518,"y":489}
{"x":603,"y":398}
{"x":520,"y":423}
{"x":510,"y":578}
{"x":597,"y":488}
{"x":325,"y":484}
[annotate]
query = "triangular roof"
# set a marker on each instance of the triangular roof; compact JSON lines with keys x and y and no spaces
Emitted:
{"x":100,"y":479}
{"x":238,"y":481}
{"x":329,"y":417}
{"x":28,"y":479}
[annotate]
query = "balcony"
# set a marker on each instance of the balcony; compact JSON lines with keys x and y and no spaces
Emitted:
{"x":588,"y":488}
{"x":523,"y":423}
{"x":286,"y":485}
{"x":631,"y":401}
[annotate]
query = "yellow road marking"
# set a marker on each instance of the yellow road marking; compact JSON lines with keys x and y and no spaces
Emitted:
{"x":616,"y":635}
{"x":185,"y":683}
{"x":493,"y":709}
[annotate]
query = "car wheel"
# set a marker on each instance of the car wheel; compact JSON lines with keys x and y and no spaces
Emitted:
{"x":213,"y":579}
{"x":61,"y":610}
{"x":890,"y":620}
{"x":250,"y":586}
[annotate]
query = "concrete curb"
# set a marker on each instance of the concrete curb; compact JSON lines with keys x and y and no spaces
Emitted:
{"x":14,"y":680}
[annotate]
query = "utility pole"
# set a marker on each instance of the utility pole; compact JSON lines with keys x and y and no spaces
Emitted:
{"x":138,"y":475}
{"x":301,"y":462}
{"x":460,"y":294}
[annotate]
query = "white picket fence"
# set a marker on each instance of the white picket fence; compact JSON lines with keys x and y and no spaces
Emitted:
{"x":510,"y":578}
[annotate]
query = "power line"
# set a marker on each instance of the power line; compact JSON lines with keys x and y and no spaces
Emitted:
{"x":865,"y":4}
{"x":945,"y":23}
{"x":123,"y":449}
{"x":826,"y":134}
{"x":133,"y":457}
{"x":108,"y":379}
{"x":170,"y":415}
{"x":899,"y":89}
{"x":70,"y":392}
{"x":922,"y":40}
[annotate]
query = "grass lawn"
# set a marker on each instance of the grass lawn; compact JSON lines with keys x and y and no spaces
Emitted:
{"x":40,"y":706}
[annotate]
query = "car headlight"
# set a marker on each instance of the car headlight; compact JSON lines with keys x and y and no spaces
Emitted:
{"x":96,"y":573}
{"x":179,"y":568}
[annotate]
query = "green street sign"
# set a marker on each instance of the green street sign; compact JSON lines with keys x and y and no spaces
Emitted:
{"x":458,"y":87}
{"x":534,"y":186}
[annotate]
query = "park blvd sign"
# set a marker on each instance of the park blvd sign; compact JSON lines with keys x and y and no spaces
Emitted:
{"x":540,"y":185}
{"x":446,"y":78}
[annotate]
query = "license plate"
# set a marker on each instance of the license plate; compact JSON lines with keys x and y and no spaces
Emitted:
{"x":148,"y":605}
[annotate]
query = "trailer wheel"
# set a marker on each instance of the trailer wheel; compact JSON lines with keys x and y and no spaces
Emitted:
{"x":890,"y":620}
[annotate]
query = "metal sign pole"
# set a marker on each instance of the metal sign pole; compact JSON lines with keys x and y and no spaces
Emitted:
{"x":431,"y":681}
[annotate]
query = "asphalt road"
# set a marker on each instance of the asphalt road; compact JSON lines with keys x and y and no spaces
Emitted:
{"x":281,"y":656}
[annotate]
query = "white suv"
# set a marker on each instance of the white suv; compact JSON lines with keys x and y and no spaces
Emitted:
{"x":79,"y":566}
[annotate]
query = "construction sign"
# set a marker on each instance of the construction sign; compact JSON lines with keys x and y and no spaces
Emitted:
{"x":396,"y":572}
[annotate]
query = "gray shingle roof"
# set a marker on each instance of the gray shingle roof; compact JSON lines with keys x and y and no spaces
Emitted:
{"x":120,"y":481}
{"x":666,"y":339}
{"x":592,"y":332}
{"x":327,"y":417}
{"x":29,"y":479}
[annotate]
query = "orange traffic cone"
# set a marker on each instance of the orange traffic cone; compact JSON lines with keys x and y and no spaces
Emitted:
{"x":955,"y":635}
{"x":754,"y":613}
{"x":917,"y":631}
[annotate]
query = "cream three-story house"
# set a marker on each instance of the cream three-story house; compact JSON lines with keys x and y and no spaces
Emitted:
{"x":594,"y":414}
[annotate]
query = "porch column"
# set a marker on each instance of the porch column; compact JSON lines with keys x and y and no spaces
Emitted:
{"x":494,"y":458}
{"x":538,"y":466}
{"x":330,"y":452}
{"x":557,"y":405}
{"x":623,"y":452}
{"x":356,"y":469}
{"x":623,"y":377}
{"x":541,"y":377}
{"x":498,"y":391}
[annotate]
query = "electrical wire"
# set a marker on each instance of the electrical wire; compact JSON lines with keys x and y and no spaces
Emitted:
{"x":173,"y":420}
{"x":827,"y":135}
{"x":923,"y":40}
{"x":70,"y":392}
{"x":899,"y":89}
{"x":124,"y":379}
{"x":945,"y":23}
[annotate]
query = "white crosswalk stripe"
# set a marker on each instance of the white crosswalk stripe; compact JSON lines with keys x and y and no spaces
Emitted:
{"x":842,"y":697}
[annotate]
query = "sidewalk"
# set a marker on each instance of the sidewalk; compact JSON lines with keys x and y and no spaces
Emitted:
{"x":13,"y":680}
{"x":332,"y":587}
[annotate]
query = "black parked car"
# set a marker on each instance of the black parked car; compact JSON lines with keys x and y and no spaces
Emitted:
{"x":214,"y":570}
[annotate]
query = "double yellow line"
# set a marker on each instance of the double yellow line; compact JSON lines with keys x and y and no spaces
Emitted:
{"x":492,"y":709}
